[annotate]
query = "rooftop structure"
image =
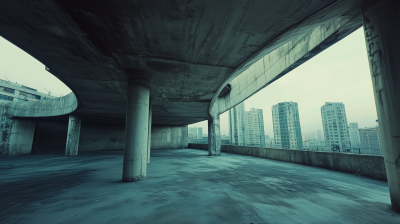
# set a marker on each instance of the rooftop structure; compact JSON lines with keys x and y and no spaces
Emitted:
{"x":10,"y":91}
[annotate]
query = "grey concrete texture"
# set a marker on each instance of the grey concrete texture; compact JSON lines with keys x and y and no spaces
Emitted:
{"x":214,"y":136}
{"x":73,"y":134}
{"x":365,"y":165}
{"x":136,"y":132}
{"x":16,"y":135}
{"x":43,"y":108}
{"x":185,"y":186}
{"x":257,"y":75}
{"x":188,"y":50}
{"x":383,"y":55}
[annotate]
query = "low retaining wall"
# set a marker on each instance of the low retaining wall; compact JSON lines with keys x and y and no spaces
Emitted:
{"x":365,"y":165}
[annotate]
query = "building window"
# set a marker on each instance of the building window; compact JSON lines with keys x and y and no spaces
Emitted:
{"x":3,"y":97}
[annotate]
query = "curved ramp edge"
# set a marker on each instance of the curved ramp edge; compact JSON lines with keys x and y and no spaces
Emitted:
{"x":276,"y":64}
{"x":45,"y":108}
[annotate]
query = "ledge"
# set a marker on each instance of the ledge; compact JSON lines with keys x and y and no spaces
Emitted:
{"x":365,"y":165}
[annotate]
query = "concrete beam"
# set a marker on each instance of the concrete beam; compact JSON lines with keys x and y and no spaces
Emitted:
{"x":381,"y":19}
{"x":74,"y":130}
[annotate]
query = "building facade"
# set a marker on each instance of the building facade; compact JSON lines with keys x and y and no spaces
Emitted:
{"x":254,"y":128}
{"x":192,"y":132}
{"x":334,"y":122}
{"x":199,"y":133}
{"x":370,"y":138}
{"x":354,"y":134}
{"x":286,"y":123}
{"x":237,"y":125}
{"x":10,"y":91}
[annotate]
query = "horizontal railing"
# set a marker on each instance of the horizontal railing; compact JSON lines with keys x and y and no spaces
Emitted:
{"x":365,"y":165}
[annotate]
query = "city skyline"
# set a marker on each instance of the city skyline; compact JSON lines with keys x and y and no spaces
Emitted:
{"x":346,"y":78}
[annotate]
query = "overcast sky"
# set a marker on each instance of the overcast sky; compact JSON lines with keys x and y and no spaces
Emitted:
{"x":20,"y":67}
{"x":338,"y":74}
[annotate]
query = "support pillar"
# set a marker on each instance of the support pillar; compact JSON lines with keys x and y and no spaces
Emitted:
{"x":214,"y":138}
{"x":149,"y":137}
{"x":74,"y":130}
{"x":381,"y":19}
{"x":136,"y":131}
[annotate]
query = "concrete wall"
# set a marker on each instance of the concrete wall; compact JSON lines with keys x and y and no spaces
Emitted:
{"x":50,"y":137}
{"x":16,"y":135}
{"x":43,"y":108}
{"x":365,"y":165}
{"x":95,"y":137}
{"x":169,"y":137}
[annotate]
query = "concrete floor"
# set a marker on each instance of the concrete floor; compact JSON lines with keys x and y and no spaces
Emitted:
{"x":185,"y":186}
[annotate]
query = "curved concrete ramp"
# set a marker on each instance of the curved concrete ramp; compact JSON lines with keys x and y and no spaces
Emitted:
{"x":44,"y":108}
{"x":278,"y":63}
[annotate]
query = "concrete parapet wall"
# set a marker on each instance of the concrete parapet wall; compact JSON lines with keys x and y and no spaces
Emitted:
{"x":365,"y":165}
{"x":16,"y":135}
{"x":43,"y":108}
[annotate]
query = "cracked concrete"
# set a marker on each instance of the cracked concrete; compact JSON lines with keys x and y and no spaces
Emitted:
{"x":185,"y":186}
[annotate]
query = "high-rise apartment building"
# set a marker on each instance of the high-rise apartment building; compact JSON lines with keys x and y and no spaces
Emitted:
{"x":199,"y":133}
{"x":254,"y":128}
{"x":286,"y":122}
{"x":192,"y":133}
{"x":334,"y":122}
{"x":237,"y":125}
{"x":370,"y":138}
{"x":354,"y":134}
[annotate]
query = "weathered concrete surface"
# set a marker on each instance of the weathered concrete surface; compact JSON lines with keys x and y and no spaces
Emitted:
{"x":189,"y":50}
{"x":180,"y":184}
{"x":98,"y":137}
{"x":149,"y":136}
{"x":383,"y":50}
{"x":136,"y":131}
{"x":214,"y":136}
{"x":16,"y":136}
{"x":50,"y":137}
{"x":169,"y":137}
{"x":246,"y":82}
{"x":73,"y":134}
{"x":44,"y":108}
{"x":365,"y":165}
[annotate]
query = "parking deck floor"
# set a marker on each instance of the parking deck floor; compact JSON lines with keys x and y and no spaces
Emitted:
{"x":185,"y":186}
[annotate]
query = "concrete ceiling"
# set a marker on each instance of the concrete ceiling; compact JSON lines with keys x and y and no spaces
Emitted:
{"x":186,"y":48}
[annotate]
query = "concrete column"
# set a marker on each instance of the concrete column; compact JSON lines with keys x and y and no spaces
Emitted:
{"x":136,"y":131}
{"x":214,"y":138}
{"x":381,"y":19}
{"x":74,"y":129}
{"x":149,"y":137}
